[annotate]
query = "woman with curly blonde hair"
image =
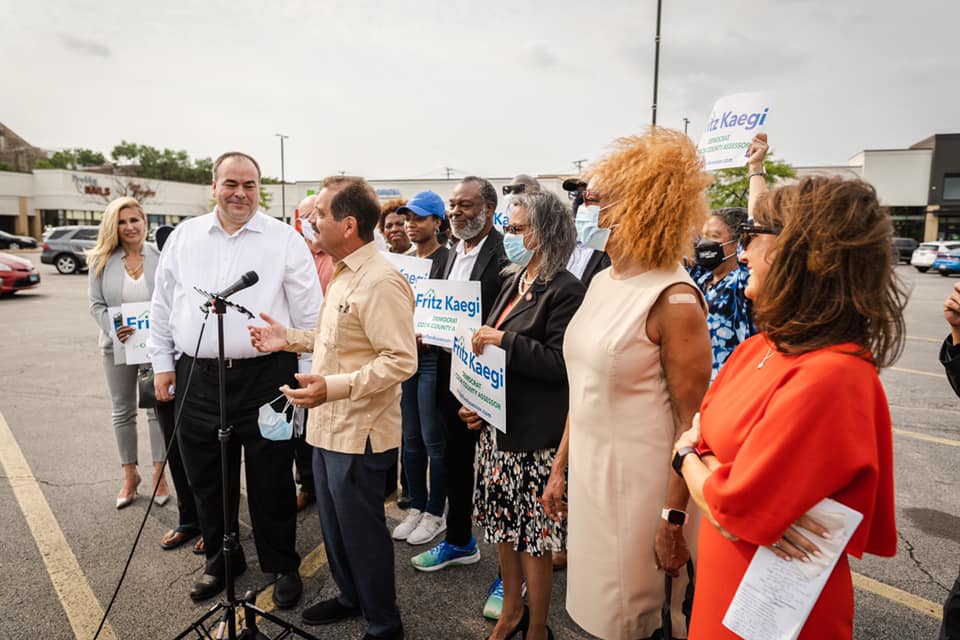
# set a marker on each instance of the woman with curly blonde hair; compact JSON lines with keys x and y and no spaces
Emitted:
{"x":638,"y":360}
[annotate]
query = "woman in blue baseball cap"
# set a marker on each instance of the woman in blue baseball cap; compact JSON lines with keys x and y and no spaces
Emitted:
{"x":423,"y":440}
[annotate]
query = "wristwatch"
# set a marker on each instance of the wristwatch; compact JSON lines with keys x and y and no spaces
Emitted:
{"x":674,"y":516}
{"x":678,"y":457}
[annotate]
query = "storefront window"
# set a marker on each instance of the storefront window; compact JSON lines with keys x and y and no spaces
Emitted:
{"x":908,"y":222}
{"x":949,"y":228}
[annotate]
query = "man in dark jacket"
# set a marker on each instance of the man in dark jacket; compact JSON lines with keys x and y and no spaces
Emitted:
{"x":950,"y":359}
{"x":584,"y":262}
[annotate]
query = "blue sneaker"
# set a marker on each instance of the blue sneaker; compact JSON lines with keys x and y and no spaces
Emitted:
{"x":493,"y":607}
{"x":445,"y":554}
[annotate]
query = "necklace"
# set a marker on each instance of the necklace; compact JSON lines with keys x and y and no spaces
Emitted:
{"x":133,"y":271}
{"x":522,"y":284}
{"x":769,"y":355}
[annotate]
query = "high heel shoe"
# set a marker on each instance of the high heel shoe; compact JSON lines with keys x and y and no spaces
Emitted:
{"x":126,"y":501}
{"x":521,"y":626}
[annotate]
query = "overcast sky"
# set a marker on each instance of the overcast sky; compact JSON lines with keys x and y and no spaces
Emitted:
{"x":494,"y":87}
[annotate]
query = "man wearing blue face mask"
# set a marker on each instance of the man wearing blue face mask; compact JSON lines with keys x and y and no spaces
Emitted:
{"x":588,"y":258}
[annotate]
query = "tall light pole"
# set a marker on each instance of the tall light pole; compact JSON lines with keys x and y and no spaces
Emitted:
{"x":686,"y":123}
{"x":656,"y":65}
{"x":283,"y":182}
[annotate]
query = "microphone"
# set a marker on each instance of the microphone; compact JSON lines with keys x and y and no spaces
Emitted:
{"x":248,"y":279}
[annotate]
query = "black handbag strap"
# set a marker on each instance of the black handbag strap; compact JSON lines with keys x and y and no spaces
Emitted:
{"x":666,"y":618}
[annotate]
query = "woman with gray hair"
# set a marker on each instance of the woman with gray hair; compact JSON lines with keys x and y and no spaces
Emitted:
{"x":528,"y":320}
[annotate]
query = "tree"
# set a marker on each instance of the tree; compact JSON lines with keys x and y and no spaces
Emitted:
{"x":6,"y":166}
{"x":72,"y":159}
{"x":145,"y":161}
{"x":731,"y":187}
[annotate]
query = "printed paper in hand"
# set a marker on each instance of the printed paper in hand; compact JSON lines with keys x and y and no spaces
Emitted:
{"x":775,"y":596}
{"x":479,"y":381}
{"x":443,"y":307}
{"x":731,"y":126}
{"x":136,"y":315}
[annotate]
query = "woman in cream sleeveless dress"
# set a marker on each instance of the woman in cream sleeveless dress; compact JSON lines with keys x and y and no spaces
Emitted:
{"x":638,"y":361}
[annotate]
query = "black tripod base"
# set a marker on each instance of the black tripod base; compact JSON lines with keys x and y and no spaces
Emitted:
{"x":225,"y":624}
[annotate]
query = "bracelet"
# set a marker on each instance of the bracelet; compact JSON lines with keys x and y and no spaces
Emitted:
{"x":762,"y":174}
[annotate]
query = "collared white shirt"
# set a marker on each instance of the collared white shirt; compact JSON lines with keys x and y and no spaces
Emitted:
{"x":200,"y":253}
{"x":463,"y":263}
{"x":579,"y":259}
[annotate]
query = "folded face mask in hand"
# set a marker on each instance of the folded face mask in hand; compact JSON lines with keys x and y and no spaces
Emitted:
{"x":274,"y":424}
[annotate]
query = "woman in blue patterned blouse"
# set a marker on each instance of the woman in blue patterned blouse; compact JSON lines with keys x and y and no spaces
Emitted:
{"x":722,"y":279}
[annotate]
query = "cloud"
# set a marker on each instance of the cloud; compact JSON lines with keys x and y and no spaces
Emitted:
{"x":84,"y":46}
{"x":540,"y":56}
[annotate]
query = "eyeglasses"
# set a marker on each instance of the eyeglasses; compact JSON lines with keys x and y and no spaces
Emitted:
{"x":514,"y":188}
{"x":516,"y":229}
{"x":750,"y":231}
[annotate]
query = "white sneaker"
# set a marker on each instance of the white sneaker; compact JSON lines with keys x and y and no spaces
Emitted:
{"x":409,"y":524}
{"x":429,"y":528}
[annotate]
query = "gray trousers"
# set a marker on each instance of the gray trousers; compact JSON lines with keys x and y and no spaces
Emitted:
{"x":122,"y":384}
{"x":355,"y":534}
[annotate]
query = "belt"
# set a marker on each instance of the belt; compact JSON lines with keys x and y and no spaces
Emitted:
{"x":228,"y":363}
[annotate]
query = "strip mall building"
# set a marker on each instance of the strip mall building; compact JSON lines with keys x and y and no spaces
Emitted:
{"x":920,"y":185}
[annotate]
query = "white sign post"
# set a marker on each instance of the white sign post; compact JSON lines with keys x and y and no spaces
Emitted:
{"x":734,"y":121}
{"x":136,"y":315}
{"x":443,"y":307}
{"x":479,"y":382}
{"x":411,"y":267}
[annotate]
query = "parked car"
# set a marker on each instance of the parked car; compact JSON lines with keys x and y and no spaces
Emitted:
{"x":947,"y":262}
{"x":16,"y":274}
{"x":10,"y":241}
{"x":926,"y":254}
{"x":65,"y":247}
{"x":904,"y":248}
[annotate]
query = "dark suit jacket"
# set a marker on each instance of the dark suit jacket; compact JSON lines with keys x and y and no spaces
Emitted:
{"x":598,"y":261}
{"x":487,"y":270}
{"x":950,"y":359}
{"x":537,"y":388}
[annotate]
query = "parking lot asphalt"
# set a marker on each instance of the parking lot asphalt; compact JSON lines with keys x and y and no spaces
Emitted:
{"x":63,"y":543}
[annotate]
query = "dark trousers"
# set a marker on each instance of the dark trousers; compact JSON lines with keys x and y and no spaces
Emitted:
{"x":270,"y":490}
{"x":950,"y":627}
{"x":186,"y":505}
{"x":355,"y":534}
{"x":459,"y":454}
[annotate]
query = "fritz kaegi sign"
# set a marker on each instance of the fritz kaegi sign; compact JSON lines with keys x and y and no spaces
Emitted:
{"x":411,"y":267}
{"x":478,"y":381}
{"x":731,"y":126}
{"x":443,"y":306}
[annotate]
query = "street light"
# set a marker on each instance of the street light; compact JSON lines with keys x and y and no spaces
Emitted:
{"x":656,"y":65}
{"x":686,"y":123}
{"x":283,"y":181}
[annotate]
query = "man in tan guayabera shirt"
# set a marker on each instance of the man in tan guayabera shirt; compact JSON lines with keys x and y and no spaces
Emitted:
{"x":363,"y":349}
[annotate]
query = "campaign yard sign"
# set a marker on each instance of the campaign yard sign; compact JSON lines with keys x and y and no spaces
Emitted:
{"x":734,"y":121}
{"x":136,"y":315}
{"x":443,"y":306}
{"x":411,"y":267}
{"x":479,"y":381}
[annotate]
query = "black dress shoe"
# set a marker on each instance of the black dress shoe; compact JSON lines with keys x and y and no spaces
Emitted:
{"x":395,"y":635}
{"x":287,"y":590}
{"x":328,"y":612}
{"x":209,"y":585}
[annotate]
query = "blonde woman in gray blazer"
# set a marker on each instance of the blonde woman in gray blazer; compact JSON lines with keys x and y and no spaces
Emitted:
{"x":122,"y":269}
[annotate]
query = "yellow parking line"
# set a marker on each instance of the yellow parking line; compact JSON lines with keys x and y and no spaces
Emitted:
{"x":899,"y":596}
{"x":77,"y":598}
{"x":917,"y":372}
{"x":926,"y":438}
{"x":925,"y":339}
{"x":311,"y":564}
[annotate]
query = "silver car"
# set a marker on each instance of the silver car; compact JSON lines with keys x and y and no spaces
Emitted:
{"x":924,"y":255}
{"x":65,"y":248}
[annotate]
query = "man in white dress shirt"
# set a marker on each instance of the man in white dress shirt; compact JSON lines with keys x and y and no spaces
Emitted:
{"x":211,"y":252}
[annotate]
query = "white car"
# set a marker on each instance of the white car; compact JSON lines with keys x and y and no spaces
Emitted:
{"x":924,"y":255}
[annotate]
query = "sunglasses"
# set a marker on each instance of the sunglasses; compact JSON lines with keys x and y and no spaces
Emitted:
{"x":514,"y":188}
{"x":750,"y":231}
{"x":516,"y":229}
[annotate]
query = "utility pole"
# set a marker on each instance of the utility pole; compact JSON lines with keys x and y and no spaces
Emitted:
{"x":686,"y":123}
{"x":656,"y":65}
{"x":579,"y":165}
{"x":448,"y":171}
{"x":283,"y":182}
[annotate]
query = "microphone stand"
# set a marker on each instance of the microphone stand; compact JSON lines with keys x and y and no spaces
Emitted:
{"x":231,"y":544}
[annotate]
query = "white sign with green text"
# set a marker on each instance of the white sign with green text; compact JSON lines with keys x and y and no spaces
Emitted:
{"x":443,"y":307}
{"x":479,"y":381}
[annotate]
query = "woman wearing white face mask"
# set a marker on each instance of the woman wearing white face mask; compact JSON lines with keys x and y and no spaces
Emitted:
{"x":638,"y":360}
{"x":528,"y":321}
{"x":723,"y":280}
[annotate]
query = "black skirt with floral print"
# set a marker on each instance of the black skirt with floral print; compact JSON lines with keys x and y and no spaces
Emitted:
{"x":505,"y":499}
